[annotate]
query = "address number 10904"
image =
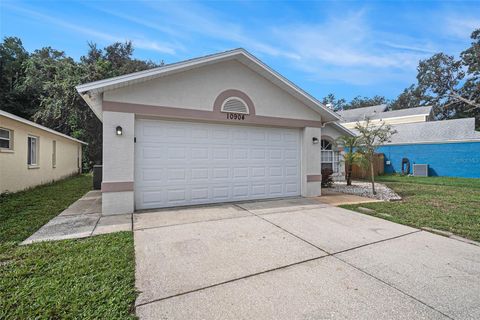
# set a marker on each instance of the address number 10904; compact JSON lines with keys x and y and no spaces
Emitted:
{"x":235,"y":116}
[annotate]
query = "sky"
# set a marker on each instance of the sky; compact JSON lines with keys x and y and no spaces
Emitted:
{"x":348,"y":48}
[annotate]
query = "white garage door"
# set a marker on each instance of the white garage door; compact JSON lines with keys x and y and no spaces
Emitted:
{"x":183,"y":163}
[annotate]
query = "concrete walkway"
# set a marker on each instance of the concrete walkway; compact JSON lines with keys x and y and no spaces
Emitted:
{"x":82,"y":219}
{"x":298,"y":259}
{"x":337,"y":198}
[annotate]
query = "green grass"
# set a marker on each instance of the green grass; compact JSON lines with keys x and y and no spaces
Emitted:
{"x":449,"y":204}
{"x":83,"y":279}
{"x":438,"y":181}
{"x":92,"y":278}
{"x":23,"y":213}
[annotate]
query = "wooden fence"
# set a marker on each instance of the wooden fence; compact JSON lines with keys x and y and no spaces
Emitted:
{"x":378,"y":168}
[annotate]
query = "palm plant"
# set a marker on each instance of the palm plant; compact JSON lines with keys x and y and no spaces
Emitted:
{"x":350,"y":156}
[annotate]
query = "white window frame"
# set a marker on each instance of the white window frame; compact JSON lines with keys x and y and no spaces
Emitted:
{"x":329,"y":155}
{"x":9,"y":139}
{"x":236,"y":98}
{"x":30,"y":150}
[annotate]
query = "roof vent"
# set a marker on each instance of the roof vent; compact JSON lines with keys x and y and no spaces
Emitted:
{"x":235,"y":105}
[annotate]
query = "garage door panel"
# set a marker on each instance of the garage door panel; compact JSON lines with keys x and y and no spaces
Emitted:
{"x":181,"y":163}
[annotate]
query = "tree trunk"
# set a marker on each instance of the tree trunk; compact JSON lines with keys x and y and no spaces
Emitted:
{"x":349,"y":174}
{"x":372,"y":176}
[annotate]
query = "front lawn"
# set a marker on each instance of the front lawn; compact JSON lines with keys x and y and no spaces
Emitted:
{"x":84,"y":279}
{"x":23,"y":213}
{"x":92,"y":278}
{"x":449,"y":204}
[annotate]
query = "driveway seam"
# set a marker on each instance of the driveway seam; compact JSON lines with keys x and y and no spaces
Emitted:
{"x":327,"y":254}
{"x":334,"y":255}
{"x":392,"y":286}
{"x":231,"y":280}
{"x":193,"y":222}
{"x":95,"y":227}
{"x":324,"y":250}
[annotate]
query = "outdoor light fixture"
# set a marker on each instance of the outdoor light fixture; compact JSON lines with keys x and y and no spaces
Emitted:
{"x":315,"y":140}
{"x":119,"y":131}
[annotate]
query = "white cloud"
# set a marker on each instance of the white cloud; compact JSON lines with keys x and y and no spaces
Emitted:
{"x":139,"y":42}
{"x":461,"y":26}
{"x":199,"y":19}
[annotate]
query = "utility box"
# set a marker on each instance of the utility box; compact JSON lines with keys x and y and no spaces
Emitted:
{"x":420,"y":170}
{"x":97,"y":177}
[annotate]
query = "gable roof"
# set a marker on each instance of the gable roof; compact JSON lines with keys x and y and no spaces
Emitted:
{"x":91,"y":92}
{"x":442,"y":131}
{"x":404,"y":112}
{"x":359,"y":114}
{"x":379,"y":112}
{"x":36,"y":125}
{"x":435,"y":131}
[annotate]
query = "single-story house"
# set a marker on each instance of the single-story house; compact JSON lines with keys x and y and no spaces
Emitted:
{"x":220,"y":128}
{"x":31,"y":154}
{"x":380,"y":114}
{"x":448,"y":147}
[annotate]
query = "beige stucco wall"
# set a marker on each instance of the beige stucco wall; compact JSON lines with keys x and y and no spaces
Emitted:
{"x":311,"y":162}
{"x":198,"y":88}
{"x":15,"y":174}
{"x":118,"y":161}
{"x":396,"y":120}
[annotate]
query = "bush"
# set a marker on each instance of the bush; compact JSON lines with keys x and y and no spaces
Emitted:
{"x":327,"y":180}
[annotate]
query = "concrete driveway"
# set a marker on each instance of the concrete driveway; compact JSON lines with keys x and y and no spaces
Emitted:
{"x":298,"y":259}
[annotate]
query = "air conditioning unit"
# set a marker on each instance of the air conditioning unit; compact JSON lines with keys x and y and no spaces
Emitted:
{"x":420,"y":170}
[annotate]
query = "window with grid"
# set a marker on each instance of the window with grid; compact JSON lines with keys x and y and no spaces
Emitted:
{"x":330,"y":157}
{"x":6,"y":139}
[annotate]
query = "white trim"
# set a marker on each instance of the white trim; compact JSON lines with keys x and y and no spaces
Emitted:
{"x":95,"y":88}
{"x":10,"y":139}
{"x":344,"y":129}
{"x":29,"y":149}
{"x":36,"y":125}
{"x":386,"y":119}
{"x":432,"y":142}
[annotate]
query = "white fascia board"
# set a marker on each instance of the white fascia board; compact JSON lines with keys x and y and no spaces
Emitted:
{"x":38,"y":126}
{"x":248,"y":59}
{"x":345,"y":130}
{"x":432,"y":142}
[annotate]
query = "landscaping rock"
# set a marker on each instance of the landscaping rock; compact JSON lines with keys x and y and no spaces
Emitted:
{"x":364,"y":189}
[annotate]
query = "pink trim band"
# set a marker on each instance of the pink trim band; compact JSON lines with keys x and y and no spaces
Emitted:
{"x":117,"y":186}
{"x":211,"y":116}
{"x":314,"y":177}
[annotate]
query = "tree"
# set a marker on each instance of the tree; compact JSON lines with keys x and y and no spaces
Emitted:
{"x":411,"y":97}
{"x":331,"y":101}
{"x":362,"y":102}
{"x":371,"y":137}
{"x":350,"y":155}
{"x":451,"y":86}
{"x":41,"y":86}
{"x":12,"y":73}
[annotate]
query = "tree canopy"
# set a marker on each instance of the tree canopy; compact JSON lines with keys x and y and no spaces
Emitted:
{"x":450,"y":85}
{"x":40,"y":86}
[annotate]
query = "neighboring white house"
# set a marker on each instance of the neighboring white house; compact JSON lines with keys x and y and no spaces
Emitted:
{"x":380,"y":114}
{"x":219,"y":128}
{"x":31,"y":154}
{"x":447,"y":147}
